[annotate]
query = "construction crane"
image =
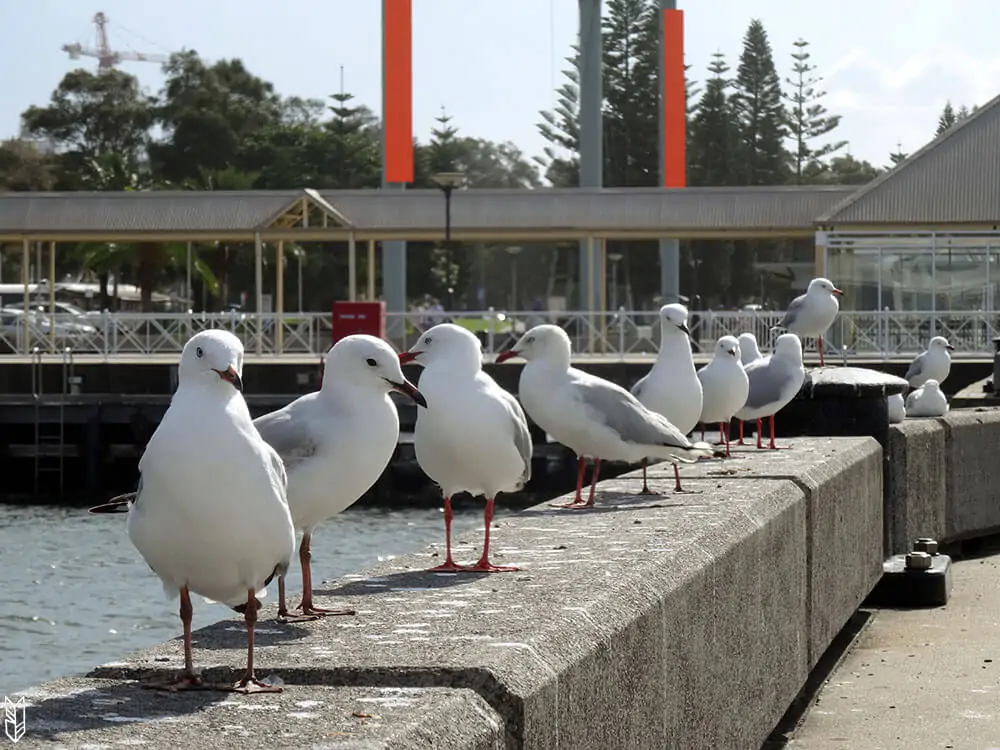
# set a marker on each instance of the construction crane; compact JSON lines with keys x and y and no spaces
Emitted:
{"x":107,"y":58}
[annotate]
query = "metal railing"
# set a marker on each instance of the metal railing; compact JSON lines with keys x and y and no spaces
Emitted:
{"x":855,"y":335}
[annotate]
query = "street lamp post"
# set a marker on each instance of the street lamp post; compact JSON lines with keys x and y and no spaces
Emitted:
{"x":614,"y":258}
{"x":448,"y":181}
{"x":513,"y":250}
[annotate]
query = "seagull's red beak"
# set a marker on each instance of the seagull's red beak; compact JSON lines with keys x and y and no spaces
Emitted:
{"x":504,"y":356}
{"x":230,"y":375}
{"x":407,"y":357}
{"x":837,"y":292}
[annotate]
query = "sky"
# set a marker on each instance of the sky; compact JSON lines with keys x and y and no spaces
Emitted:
{"x":888,"y":66}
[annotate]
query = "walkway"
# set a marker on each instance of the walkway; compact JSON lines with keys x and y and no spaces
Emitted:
{"x":919,"y":678}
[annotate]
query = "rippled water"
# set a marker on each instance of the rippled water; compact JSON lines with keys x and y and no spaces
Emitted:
{"x":75,"y":593}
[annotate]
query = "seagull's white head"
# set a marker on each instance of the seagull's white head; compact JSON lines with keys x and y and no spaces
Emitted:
{"x":544,"y":343}
{"x":728,"y":347}
{"x":748,"y":345}
{"x":823,"y":287}
{"x":448,"y":346}
{"x":367,"y":362}
{"x":673,"y":318}
{"x":788,"y":346}
{"x":940,"y":342}
{"x":212,"y":356}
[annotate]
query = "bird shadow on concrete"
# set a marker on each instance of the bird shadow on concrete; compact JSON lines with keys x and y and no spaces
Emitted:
{"x":103,"y":708}
{"x":232,"y":634}
{"x":402,"y":581}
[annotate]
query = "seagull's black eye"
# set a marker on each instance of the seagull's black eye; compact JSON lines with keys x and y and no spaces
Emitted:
{"x":427,"y":340}
{"x":199,"y":352}
{"x":531,"y":340}
{"x":371,"y":362}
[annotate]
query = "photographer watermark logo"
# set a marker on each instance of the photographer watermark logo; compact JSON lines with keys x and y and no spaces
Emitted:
{"x":13,"y":718}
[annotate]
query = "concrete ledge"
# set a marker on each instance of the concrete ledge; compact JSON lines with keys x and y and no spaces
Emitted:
{"x":681,"y":621}
{"x":101,"y":713}
{"x":942,"y":478}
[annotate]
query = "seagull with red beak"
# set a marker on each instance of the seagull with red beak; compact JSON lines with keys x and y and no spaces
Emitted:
{"x":335,"y":444}
{"x":210,"y":515}
{"x":473,"y":437}
{"x":810,"y":315}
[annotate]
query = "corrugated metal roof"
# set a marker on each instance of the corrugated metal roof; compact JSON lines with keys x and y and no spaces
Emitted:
{"x":167,"y":211}
{"x":597,"y":210}
{"x":954,"y":179}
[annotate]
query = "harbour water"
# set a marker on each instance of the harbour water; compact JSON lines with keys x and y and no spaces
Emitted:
{"x":75,"y":593}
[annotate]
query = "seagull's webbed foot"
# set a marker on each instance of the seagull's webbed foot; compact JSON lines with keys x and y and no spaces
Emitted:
{"x":250,"y":684}
{"x":183,"y":681}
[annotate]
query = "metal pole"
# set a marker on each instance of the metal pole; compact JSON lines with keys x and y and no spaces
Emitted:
{"x":352,"y":268}
{"x":52,"y":295}
{"x":591,"y":130}
{"x":670,"y":254}
{"x":371,"y":271}
{"x":258,"y":257}
{"x":279,"y":296}
{"x":591,"y":302}
{"x":25,"y":263}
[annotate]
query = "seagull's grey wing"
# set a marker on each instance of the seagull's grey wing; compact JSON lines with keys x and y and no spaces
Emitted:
{"x":916,"y":367}
{"x":638,"y":387}
{"x":287,"y":432}
{"x":522,"y":436}
{"x":766,"y":383}
{"x":793,"y":312}
{"x":623,"y":413}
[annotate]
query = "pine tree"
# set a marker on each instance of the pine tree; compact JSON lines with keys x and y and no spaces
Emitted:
{"x":561,"y":128}
{"x":897,"y":156}
{"x":947,"y":118}
{"x":759,"y":111}
{"x":354,"y":157}
{"x":807,"y":117}
{"x":445,"y":149}
{"x":714,"y":135}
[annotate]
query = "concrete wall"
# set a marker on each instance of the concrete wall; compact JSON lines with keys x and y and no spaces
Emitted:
{"x":943,"y":477}
{"x":681,"y":621}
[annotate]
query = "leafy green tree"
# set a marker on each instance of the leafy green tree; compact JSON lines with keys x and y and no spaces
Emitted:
{"x":25,"y":167}
{"x":90,"y":117}
{"x":845,"y":170}
{"x":808,"y":119}
{"x":759,"y":111}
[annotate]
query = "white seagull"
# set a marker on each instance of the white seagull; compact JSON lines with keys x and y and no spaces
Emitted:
{"x":774,"y":381}
{"x":590,"y":415}
{"x":927,"y":401}
{"x":210,"y":514}
{"x":336,"y":442}
{"x":725,"y":386}
{"x":671,"y":388}
{"x":810,"y":315}
{"x":749,"y":351}
{"x":933,"y":364}
{"x":473,"y":437}
{"x":897,"y":408}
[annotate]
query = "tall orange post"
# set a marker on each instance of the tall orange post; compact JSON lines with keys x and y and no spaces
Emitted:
{"x":674,"y":151}
{"x":397,"y":90}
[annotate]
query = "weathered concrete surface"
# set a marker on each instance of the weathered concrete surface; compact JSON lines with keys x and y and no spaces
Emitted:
{"x":923,"y":678}
{"x":942,"y":477}
{"x":915,"y":491}
{"x":679,"y":621}
{"x":98,"y":713}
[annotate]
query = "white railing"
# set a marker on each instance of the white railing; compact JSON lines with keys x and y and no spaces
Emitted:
{"x":854,"y":335}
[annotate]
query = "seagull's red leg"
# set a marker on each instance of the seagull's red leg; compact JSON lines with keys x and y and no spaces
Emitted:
{"x":579,"y":487}
{"x":593,"y":484}
{"x":772,"y":446}
{"x":645,"y":487}
{"x":741,"y":434}
{"x":703,"y":432}
{"x":819,"y":345}
{"x":307,"y":606}
{"x":187,"y":679}
{"x":449,"y":565}
{"x":283,"y":615}
{"x":759,"y":446}
{"x":724,"y":431}
{"x":250,"y":683}
{"x":484,"y":565}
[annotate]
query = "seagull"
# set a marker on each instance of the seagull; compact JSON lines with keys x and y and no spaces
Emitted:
{"x":933,"y":364}
{"x":749,"y":351}
{"x":927,"y":401}
{"x":725,"y":386}
{"x":210,"y":514}
{"x":774,"y":381}
{"x":590,"y":415}
{"x":474,"y":438}
{"x":897,"y":408}
{"x":335,"y":443}
{"x":672,"y":388}
{"x":810,"y":315}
